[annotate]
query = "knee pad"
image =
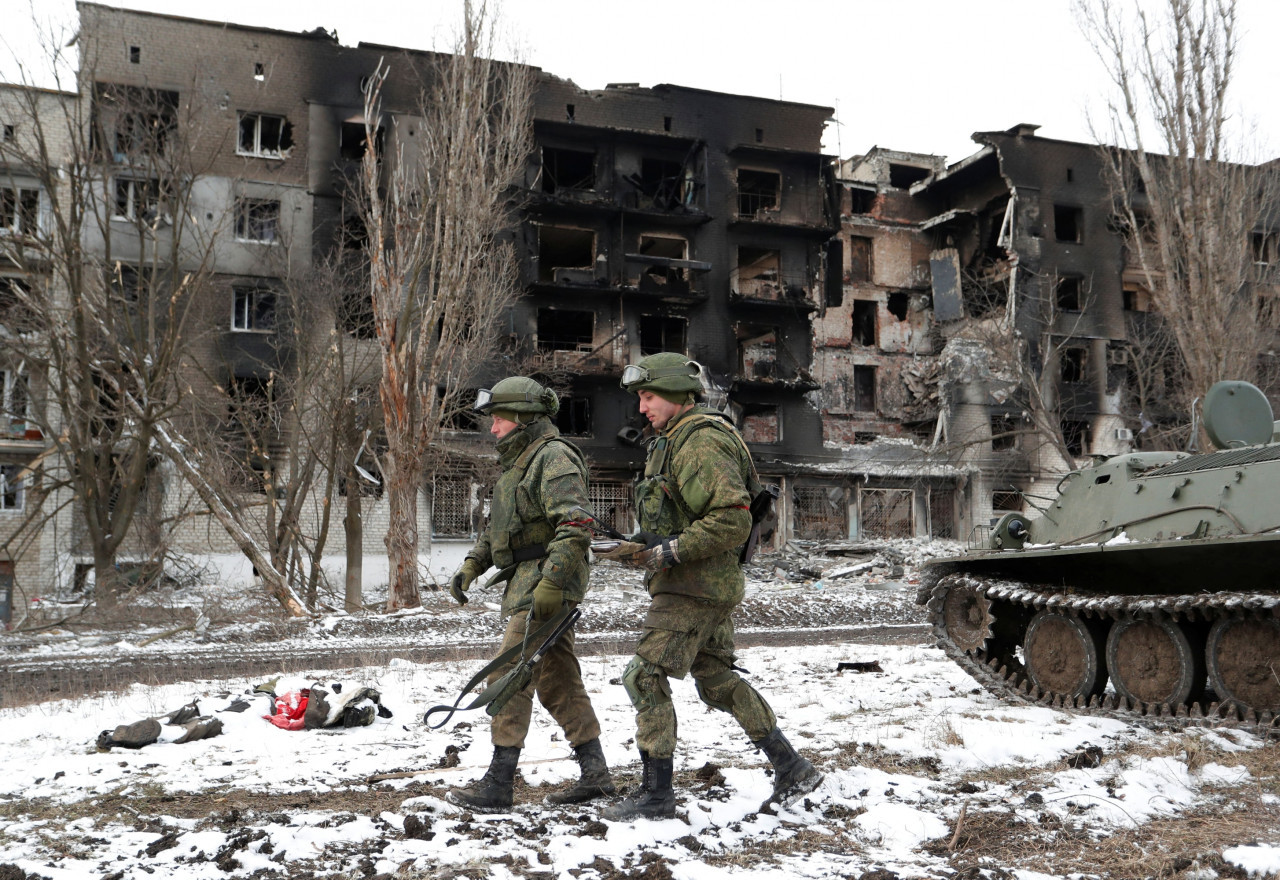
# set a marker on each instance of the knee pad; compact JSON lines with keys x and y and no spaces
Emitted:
{"x":646,"y":684}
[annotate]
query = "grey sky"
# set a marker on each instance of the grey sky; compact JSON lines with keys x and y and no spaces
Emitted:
{"x":917,"y":75}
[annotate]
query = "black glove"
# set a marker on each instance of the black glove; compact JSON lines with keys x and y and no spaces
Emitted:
{"x":658,"y":554}
{"x":462,"y":579}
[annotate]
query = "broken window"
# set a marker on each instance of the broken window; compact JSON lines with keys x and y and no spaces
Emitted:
{"x":15,"y":304}
{"x":1004,"y":432}
{"x":834,"y":276}
{"x":253,"y":308}
{"x":11,"y":487}
{"x":758,"y":273}
{"x":758,"y":191}
{"x":7,"y":132}
{"x":574,"y":416}
{"x":1075,"y":364}
{"x":1265,"y":247}
{"x":131,"y":284}
{"x":19,"y":210}
{"x":1068,"y":223}
{"x":664,"y":247}
{"x":897,"y":304}
{"x":1135,"y":298}
{"x":15,"y":401}
{"x":662,"y":333}
{"x":757,"y":351}
{"x":859,"y":259}
{"x":352,"y":140}
{"x":257,"y":220}
{"x":565,"y":330}
{"x":265,"y":135}
{"x":761,"y":423}
{"x":566,"y":255}
{"x":902,"y":176}
{"x":820,"y":513}
{"x":886,"y":513}
{"x":864,"y":322}
{"x":135,"y":54}
{"x":1068,"y":293}
{"x":864,"y":388}
{"x":137,"y":199}
{"x":664,"y":183}
{"x":1006,"y":501}
{"x":1075,"y":433}
{"x":132,"y":122}
{"x":861,"y":201}
{"x":942,"y":513}
{"x":259,"y":71}
{"x":564,"y":169}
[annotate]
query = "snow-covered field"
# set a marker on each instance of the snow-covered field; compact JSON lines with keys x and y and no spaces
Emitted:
{"x":926,"y":776}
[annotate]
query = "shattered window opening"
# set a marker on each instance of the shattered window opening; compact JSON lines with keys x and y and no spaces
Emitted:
{"x":864,"y":388}
{"x":864,"y":321}
{"x":1135,"y":298}
{"x":1068,"y":223}
{"x":903,"y":176}
{"x":137,"y":199}
{"x":265,"y":136}
{"x":1068,"y":293}
{"x":253,"y":309}
{"x":897,"y":304}
{"x":819,"y":513}
{"x":664,"y":183}
{"x":135,"y":54}
{"x":1265,"y":247}
{"x":19,"y":210}
{"x":758,"y":192}
{"x":564,"y":169}
{"x":259,"y":71}
{"x":131,"y":284}
{"x":135,"y":123}
{"x":660,"y":333}
{"x":1075,"y":365}
{"x":758,"y":273}
{"x":574,"y":416}
{"x":353,"y":140}
{"x":565,"y":330}
{"x":11,"y":494}
{"x":15,"y":401}
{"x":886,"y":513}
{"x":257,"y":220}
{"x":15,"y":309}
{"x":1004,"y":432}
{"x":1076,"y":435}
{"x":7,"y":132}
{"x":757,"y":351}
{"x":566,"y":255}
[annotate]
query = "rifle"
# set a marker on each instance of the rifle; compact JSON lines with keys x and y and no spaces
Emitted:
{"x":589,"y":521}
{"x":761,"y":509}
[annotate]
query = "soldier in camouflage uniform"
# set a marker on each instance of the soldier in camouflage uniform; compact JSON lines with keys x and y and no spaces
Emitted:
{"x":536,"y":540}
{"x":694,"y":514}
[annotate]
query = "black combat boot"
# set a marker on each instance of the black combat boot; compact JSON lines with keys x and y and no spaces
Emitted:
{"x":595,"y":780}
{"x":793,"y":776}
{"x":491,"y":793}
{"x":654,"y":800}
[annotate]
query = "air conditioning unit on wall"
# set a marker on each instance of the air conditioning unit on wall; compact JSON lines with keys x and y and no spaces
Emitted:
{"x":1124,"y":434}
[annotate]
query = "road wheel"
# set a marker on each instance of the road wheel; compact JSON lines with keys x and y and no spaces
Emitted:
{"x":1243,"y":660}
{"x":1063,"y":654}
{"x":1154,"y":660}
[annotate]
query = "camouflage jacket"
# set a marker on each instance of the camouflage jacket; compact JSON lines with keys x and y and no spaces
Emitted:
{"x":695,"y":486}
{"x":544,"y":478}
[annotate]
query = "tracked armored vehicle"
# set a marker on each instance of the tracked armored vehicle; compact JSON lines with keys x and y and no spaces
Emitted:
{"x":1150,"y":587}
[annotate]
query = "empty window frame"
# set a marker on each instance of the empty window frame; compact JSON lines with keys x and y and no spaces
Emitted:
{"x":1068,"y":223}
{"x":1265,"y":247}
{"x":758,"y":191}
{"x":859,"y":259}
{"x":886,"y":513}
{"x":1075,"y":364}
{"x":251,"y":408}
{"x":761,"y":423}
{"x":758,"y":274}
{"x":257,"y":220}
{"x":262,"y":134}
{"x":1135,"y":298}
{"x":864,"y":388}
{"x":15,"y":305}
{"x":1068,"y":293}
{"x":562,"y":247}
{"x":137,"y":199}
{"x":574,"y":416}
{"x":864,"y":321}
{"x":7,"y":132}
{"x":253,"y":309}
{"x":898,"y":304}
{"x":19,"y":210}
{"x":903,"y":176}
{"x":11,"y":494}
{"x":565,"y":330}
{"x":1076,"y":435}
{"x":132,"y":121}
{"x":662,"y":333}
{"x":15,"y":401}
{"x":130,"y":283}
{"x":819,"y":513}
{"x":665,"y":183}
{"x":666,"y":247}
{"x":565,"y":169}
{"x":757,"y":351}
{"x":1004,"y":432}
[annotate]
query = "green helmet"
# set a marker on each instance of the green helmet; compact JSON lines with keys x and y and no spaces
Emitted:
{"x":518,"y":394}
{"x":663,"y":372}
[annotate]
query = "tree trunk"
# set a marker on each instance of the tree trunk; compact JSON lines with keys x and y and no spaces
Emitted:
{"x":402,"y":541}
{"x":354,"y":526}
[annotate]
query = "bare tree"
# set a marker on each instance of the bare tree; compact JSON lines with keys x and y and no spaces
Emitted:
{"x":435,"y":208}
{"x":1197,"y":216}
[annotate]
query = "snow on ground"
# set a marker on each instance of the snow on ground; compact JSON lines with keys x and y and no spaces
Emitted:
{"x":921,"y":710}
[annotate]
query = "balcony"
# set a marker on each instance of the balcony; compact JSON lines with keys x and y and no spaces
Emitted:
{"x":753,"y":285}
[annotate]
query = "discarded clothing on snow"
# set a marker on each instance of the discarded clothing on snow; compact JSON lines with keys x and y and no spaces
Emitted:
{"x":336,"y":704}
{"x":179,"y":726}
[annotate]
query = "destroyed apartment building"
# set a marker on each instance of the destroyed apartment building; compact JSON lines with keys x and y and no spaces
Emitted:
{"x":832,"y":304}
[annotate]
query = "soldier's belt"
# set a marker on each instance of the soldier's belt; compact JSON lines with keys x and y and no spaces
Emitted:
{"x":533,"y":551}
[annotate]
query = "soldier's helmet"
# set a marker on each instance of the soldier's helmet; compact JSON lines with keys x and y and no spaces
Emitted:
{"x":665,"y":372}
{"x":517,"y":394}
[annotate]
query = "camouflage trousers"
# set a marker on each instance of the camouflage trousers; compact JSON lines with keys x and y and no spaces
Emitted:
{"x":684,"y":636}
{"x":557,"y":682}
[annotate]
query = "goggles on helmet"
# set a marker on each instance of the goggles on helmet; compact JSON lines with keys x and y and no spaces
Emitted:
{"x":486,"y":399}
{"x":633,"y":375}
